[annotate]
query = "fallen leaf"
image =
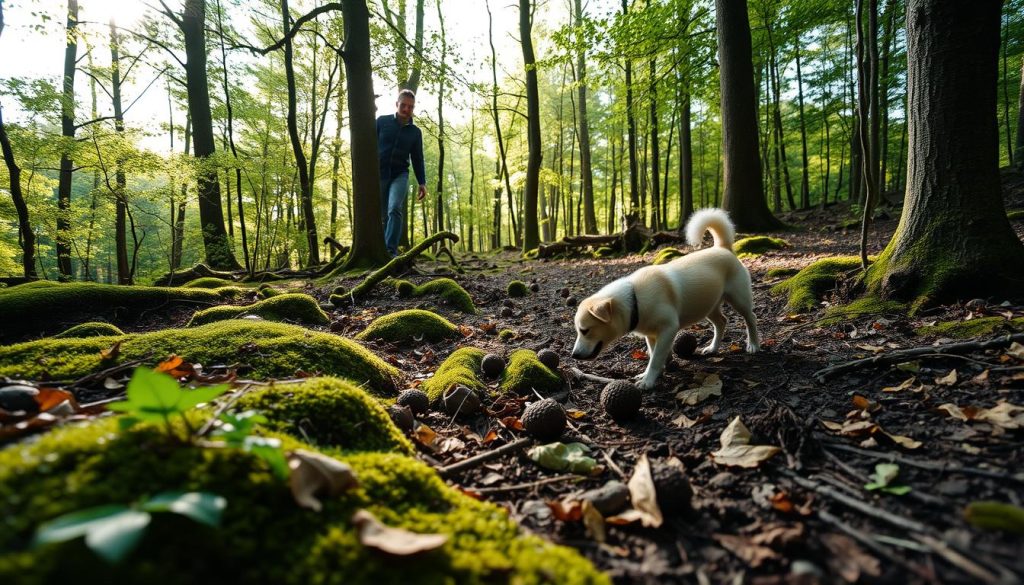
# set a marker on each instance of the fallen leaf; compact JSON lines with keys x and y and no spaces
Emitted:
{"x":466,"y":330}
{"x":995,"y":516}
{"x":593,"y":522}
{"x":566,"y":510}
{"x":1016,"y":350}
{"x":905,"y":385}
{"x":394,"y":541}
{"x":711,"y":386}
{"x":905,"y":442}
{"x":490,"y":437}
{"x":871,"y":348}
{"x":56,"y":402}
{"x":111,"y":352}
{"x":512,"y":422}
{"x":954,"y":411}
{"x":575,"y":414}
{"x":753,"y":554}
{"x":314,"y":474}
{"x":779,"y":535}
{"x":912,"y":367}
{"x":684,"y":421}
{"x":639,"y":354}
{"x":572,"y":457}
{"x":980,"y":379}
{"x":848,"y":559}
{"x":643,"y":494}
{"x":947,"y":380}
{"x":1005,"y":415}
{"x":424,"y":435}
{"x":864,"y":403}
{"x":736,"y":448}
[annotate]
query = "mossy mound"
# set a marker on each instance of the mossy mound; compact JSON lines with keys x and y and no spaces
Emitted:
{"x":665,"y":255}
{"x":409,"y":325}
{"x":267,"y":291}
{"x":757,"y":245}
{"x":973,"y":328}
{"x":263,"y":537}
{"x":48,"y":308}
{"x":517,"y":289}
{"x":603,"y":252}
{"x":808,"y":286}
{"x":270,"y":350}
{"x":292,"y":307}
{"x":461,"y":367}
{"x":330,"y":413}
{"x":525,"y":373}
{"x":450,"y":292}
{"x":506,"y":335}
{"x":208,"y":282}
{"x":864,"y":307}
{"x":774,"y":273}
{"x":90,"y":329}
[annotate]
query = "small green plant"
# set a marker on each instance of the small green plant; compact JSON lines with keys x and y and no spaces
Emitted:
{"x":114,"y":530}
{"x":884,"y":474}
{"x":236,"y":430}
{"x":156,"y":397}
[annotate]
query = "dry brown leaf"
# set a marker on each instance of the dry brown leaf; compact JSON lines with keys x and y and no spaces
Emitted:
{"x":905,"y":385}
{"x":736,"y":449}
{"x":905,"y":442}
{"x":394,"y":541}
{"x":753,"y":554}
{"x":490,"y":437}
{"x":111,"y":352}
{"x":848,"y":559}
{"x":593,"y":522}
{"x":865,"y":403}
{"x":953,"y":410}
{"x":947,"y":380}
{"x":424,"y":435}
{"x":871,"y":348}
{"x":1016,"y":350}
{"x":566,"y":510}
{"x":313,"y":474}
{"x":981,"y":379}
{"x":574,"y":413}
{"x":711,"y":386}
{"x":56,"y":402}
{"x":642,"y":494}
{"x":1005,"y":415}
{"x":779,"y":535}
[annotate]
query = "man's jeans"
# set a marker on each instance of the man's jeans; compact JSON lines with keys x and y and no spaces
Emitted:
{"x":392,"y":209}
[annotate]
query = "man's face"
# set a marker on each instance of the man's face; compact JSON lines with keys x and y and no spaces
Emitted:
{"x":405,"y":107}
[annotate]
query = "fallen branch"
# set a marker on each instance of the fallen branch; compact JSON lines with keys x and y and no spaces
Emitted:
{"x":476,"y":460}
{"x":905,"y":354}
{"x":592,"y":377}
{"x":397,"y":264}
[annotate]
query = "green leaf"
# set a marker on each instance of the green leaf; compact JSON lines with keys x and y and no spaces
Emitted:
{"x":191,"y":398}
{"x":994,"y":515}
{"x":897,"y":490}
{"x":269,"y":450}
{"x":152,"y":396}
{"x":236,"y":427}
{"x":111,"y":531}
{"x":203,"y":507}
{"x":563,"y":457}
{"x":885,"y":473}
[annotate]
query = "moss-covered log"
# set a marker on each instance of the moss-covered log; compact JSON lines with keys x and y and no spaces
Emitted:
{"x":396,"y":265}
{"x":290,"y":307}
{"x":198,"y":271}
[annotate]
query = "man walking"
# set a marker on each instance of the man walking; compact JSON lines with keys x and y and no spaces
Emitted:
{"x":398,"y":141}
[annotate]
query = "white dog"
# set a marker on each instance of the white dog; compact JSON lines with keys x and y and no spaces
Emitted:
{"x":657,"y":301}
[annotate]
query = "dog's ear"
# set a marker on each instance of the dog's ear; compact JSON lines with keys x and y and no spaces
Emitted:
{"x":602,"y":310}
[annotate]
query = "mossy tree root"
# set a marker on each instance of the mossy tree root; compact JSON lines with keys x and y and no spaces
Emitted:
{"x":397,"y":264}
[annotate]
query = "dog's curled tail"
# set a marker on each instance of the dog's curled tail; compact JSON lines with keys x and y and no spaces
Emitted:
{"x":714,"y":219}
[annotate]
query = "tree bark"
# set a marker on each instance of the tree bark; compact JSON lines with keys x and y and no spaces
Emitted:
{"x":67,"y":127}
{"x":805,"y":182}
{"x":953,"y":240}
{"x":632,"y":215}
{"x":586,"y":173}
{"x":685,"y":159}
{"x":656,"y":219}
{"x":743,"y":197}
{"x":26,"y":238}
{"x":439,"y":204}
{"x":124,"y":271}
{"x":231,"y":142}
{"x":531,"y":231}
{"x":192,"y":23}
{"x":1020,"y":120}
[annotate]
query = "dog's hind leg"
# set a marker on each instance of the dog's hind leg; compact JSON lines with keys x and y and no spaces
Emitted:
{"x":718,"y":322}
{"x":744,"y":304}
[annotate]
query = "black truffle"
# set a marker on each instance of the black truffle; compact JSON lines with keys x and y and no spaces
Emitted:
{"x":492,"y":365}
{"x":548,"y":358}
{"x":621,"y":400}
{"x":671,"y":486}
{"x":544,"y":419}
{"x":684,"y":345}
{"x":416,"y":400}
{"x":402,"y":417}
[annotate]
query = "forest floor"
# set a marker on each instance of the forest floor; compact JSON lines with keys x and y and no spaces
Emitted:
{"x":803,"y":516}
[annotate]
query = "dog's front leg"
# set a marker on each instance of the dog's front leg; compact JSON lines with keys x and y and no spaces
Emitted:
{"x":661,"y":346}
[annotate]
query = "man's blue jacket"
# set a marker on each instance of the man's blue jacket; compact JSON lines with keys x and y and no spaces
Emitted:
{"x":396,"y":144}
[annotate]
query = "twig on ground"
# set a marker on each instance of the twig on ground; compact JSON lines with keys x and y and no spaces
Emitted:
{"x":475,"y":460}
{"x":869,"y":541}
{"x":612,"y":465}
{"x":893,"y":357}
{"x":103,"y":374}
{"x":528,"y":485}
{"x":592,"y":377}
{"x":929,"y":465}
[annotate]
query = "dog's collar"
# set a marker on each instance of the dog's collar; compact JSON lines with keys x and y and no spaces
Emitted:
{"x":634,"y":316}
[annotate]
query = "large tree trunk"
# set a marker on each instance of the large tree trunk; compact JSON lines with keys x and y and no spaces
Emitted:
{"x":656,"y":219}
{"x":685,"y":158}
{"x":440,"y":194}
{"x":587,"y":175}
{"x":632,"y":214}
{"x":67,"y":130}
{"x":953,"y":240}
{"x":26,"y":238}
{"x":805,"y":182}
{"x":219,"y":254}
{"x":531,"y":231}
{"x":367,"y":231}
{"x":249,"y":266}
{"x":743,"y":197}
{"x":124,"y":271}
{"x":305,"y":183}
{"x":1020,"y":121}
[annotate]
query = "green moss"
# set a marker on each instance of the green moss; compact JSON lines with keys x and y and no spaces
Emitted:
{"x":330,"y":413}
{"x":757,"y":245}
{"x":525,"y":373}
{"x":532,"y":254}
{"x":665,"y":255}
{"x":506,"y":335}
{"x":48,"y":308}
{"x":208,"y":282}
{"x":264,"y":537}
{"x":973,"y":328}
{"x":780,"y":272}
{"x":294,"y":307}
{"x":461,"y":367}
{"x":90,"y":329}
{"x":603,"y":252}
{"x":1015,"y":214}
{"x":517,"y":288}
{"x":266,"y":291}
{"x":809,"y":286}
{"x":450,"y":292}
{"x":409,"y":325}
{"x":266,"y":350}
{"x":864,"y":307}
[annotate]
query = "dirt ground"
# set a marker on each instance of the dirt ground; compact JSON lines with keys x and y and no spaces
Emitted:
{"x":802,"y":516}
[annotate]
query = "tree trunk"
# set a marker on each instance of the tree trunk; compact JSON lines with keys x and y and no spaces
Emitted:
{"x":953,"y":240}
{"x":685,"y":159}
{"x":867,"y":59}
{"x":531,"y":231}
{"x":439,"y":206}
{"x":231,"y":143}
{"x":1020,"y":120}
{"x":472,"y":178}
{"x":124,"y":272}
{"x":586,"y":174}
{"x":367,"y":231}
{"x":743,"y":198}
{"x":888,"y":40}
{"x":656,"y":219}
{"x":219,"y":254}
{"x":26,"y":238}
{"x":67,"y":127}
{"x":632,"y":215}
{"x":805,"y":182}
{"x":1006,"y":95}
{"x":336,"y":162}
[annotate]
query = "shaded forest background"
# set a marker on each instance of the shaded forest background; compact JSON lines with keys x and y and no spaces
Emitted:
{"x":629,"y":122}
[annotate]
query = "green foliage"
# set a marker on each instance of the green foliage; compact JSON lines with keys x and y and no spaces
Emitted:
{"x":293,"y":307}
{"x":408,"y":326}
{"x":882,"y":478}
{"x":808,"y":287}
{"x":270,"y":350}
{"x":90,"y":329}
{"x":773,"y":273}
{"x":867,"y":306}
{"x":156,"y":397}
{"x":517,"y":288}
{"x":461,"y":367}
{"x":525,"y":373}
